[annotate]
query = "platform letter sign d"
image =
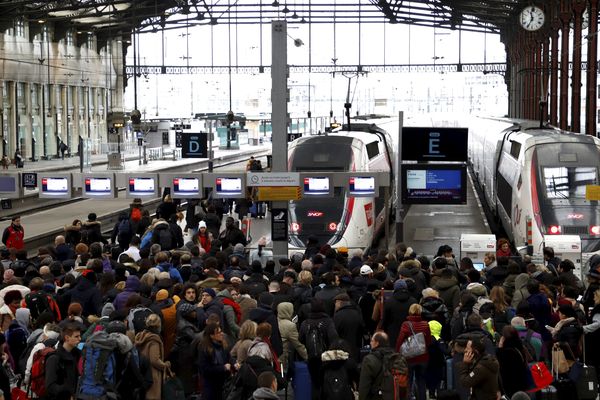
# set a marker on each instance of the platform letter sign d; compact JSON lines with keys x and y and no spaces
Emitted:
{"x":434,"y":143}
{"x":194,"y":145}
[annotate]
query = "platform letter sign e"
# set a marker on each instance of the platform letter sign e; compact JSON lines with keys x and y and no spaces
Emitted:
{"x":434,"y":143}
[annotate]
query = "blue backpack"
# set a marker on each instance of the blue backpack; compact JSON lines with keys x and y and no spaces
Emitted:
{"x":98,"y":376}
{"x":146,"y":240}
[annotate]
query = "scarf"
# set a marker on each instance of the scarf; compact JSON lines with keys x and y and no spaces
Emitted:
{"x":276,"y":364}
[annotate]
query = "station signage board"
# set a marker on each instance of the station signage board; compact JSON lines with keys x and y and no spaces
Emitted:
{"x":273,"y":179}
{"x":435,"y":144}
{"x":279,"y":193}
{"x":194,"y":145}
{"x":279,"y":224}
{"x":434,"y":184}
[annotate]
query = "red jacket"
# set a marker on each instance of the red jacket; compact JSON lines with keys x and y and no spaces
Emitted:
{"x":204,"y":241}
{"x":418,"y":325}
{"x":13,"y":237}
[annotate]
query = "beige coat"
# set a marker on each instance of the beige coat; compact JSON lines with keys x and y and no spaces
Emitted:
{"x":289,"y":333}
{"x":150,"y":345}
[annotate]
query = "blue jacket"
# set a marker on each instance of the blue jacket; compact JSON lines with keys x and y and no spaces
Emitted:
{"x":173,"y":272}
{"x":132,"y":285}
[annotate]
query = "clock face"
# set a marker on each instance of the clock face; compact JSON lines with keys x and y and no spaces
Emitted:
{"x":532,"y":18}
{"x":585,"y":20}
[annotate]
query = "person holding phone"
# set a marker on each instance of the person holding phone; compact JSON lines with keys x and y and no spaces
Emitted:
{"x":479,"y":372}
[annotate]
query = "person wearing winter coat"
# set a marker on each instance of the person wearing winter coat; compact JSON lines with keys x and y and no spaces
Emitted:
{"x":210,"y":304}
{"x":168,"y":312}
{"x":203,"y":237}
{"x":86,"y":293}
{"x":122,"y":232}
{"x":434,"y":309}
{"x":239,"y":352}
{"x":150,"y":346}
{"x":512,"y":361}
{"x":416,"y":366}
{"x":232,"y":314}
{"x":328,"y":292}
{"x":72,"y":233}
{"x":214,"y":362}
{"x":520,"y":294}
{"x":13,"y":235}
{"x":289,"y":334}
{"x":231,"y":235}
{"x":163,"y":265}
{"x":166,"y":208}
{"x":479,"y":372}
{"x":371,"y":372}
{"x":61,"y":366}
{"x":321,"y":320}
{"x":540,"y":307}
{"x":181,"y":356}
{"x":162,"y":235}
{"x":395,"y":310}
{"x":91,"y":230}
{"x":349,"y":324}
{"x":264,"y":313}
{"x":132,"y":286}
{"x":447,"y":286}
{"x":339,"y":372}
{"x":176,"y":232}
{"x":412,"y":269}
{"x":18,"y":332}
{"x":568,"y":328}
{"x":267,"y":387}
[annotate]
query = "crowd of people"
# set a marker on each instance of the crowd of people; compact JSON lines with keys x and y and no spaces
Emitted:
{"x":145,"y":314}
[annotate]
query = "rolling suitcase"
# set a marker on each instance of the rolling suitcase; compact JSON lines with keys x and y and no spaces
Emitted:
{"x":548,"y":393}
{"x":449,"y":374}
{"x":301,"y":382}
{"x":587,"y":383}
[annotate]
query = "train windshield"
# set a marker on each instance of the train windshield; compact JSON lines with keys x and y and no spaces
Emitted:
{"x":568,"y":182}
{"x":320,"y":217}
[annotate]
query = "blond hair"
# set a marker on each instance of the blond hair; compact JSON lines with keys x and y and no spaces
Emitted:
{"x":415,"y":309}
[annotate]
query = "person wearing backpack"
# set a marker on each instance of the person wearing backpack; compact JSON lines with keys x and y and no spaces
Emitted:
{"x":479,"y":372}
{"x":162,"y":235}
{"x":18,"y":332}
{"x":37,"y":301}
{"x":374,"y":381}
{"x":339,"y":371}
{"x":317,"y":333}
{"x":122,"y":232}
{"x":60,"y":370}
{"x":91,"y":230}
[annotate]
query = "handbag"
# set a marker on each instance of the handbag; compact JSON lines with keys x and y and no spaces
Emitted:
{"x":560,"y":365}
{"x":542,"y":377}
{"x":414,"y":345}
{"x":172,"y":388}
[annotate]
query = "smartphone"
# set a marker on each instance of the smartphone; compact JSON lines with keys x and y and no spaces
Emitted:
{"x":548,"y":327}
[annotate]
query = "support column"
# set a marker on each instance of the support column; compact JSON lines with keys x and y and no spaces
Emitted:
{"x":554,"y":73}
{"x":578,"y":8}
{"x":592,"y":70}
{"x":279,"y":116}
{"x":565,"y":18}
{"x":530,"y":81}
{"x":545,"y":77}
{"x":538,"y":76}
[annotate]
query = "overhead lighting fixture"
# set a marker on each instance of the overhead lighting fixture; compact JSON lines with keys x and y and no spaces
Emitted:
{"x":303,"y":20}
{"x":41,"y":21}
{"x":285,"y":9}
{"x":294,"y":15}
{"x":275,"y":3}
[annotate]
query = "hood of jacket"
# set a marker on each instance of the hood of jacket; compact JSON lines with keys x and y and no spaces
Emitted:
{"x":433,"y":304}
{"x":124,"y":344}
{"x":489,"y":362}
{"x":401,"y":295}
{"x":285,"y":311}
{"x":145,"y":337}
{"x":264,"y":394}
{"x":521,"y":281}
{"x":161,"y":225}
{"x":409,"y":268}
{"x":72,"y":228}
{"x":445,"y":283}
{"x":334,"y":355}
{"x":225,"y":293}
{"x":132,"y":284}
{"x":91,"y":224}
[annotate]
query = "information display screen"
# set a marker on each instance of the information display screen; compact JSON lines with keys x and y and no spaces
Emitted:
{"x":434,"y":184}
{"x":229,"y":186}
{"x":361,"y":185}
{"x":55,"y":185}
{"x":142,"y":186}
{"x":316,"y":185}
{"x":183,"y":186}
{"x":99,"y":185}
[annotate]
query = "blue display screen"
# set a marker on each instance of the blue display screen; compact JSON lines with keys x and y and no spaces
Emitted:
{"x":430,"y":185}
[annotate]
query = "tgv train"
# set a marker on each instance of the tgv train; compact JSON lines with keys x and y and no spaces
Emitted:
{"x":341,"y":220}
{"x":528,"y":172}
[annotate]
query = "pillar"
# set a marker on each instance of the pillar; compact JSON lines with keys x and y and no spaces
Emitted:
{"x":565,"y":18}
{"x":578,"y":8}
{"x":554,"y":72}
{"x":592,"y":70}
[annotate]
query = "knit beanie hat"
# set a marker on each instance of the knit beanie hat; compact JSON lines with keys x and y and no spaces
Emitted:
{"x":161,"y":295}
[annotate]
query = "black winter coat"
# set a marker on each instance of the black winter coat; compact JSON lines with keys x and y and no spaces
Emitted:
{"x":326,"y":295}
{"x":327,"y":327}
{"x":265,"y":314}
{"x":88,"y":295}
{"x":61,"y":374}
{"x":395,"y":311}
{"x":350,"y":327}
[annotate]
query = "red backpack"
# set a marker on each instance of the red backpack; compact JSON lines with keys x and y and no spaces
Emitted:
{"x":136,"y":215}
{"x":38,"y":371}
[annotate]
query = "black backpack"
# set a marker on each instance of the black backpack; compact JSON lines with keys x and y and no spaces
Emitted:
{"x":336,"y":385}
{"x":37,"y":303}
{"x":315,"y":340}
{"x":137,"y":318}
{"x":124,"y":228}
{"x":165,"y":239}
{"x":526,"y":341}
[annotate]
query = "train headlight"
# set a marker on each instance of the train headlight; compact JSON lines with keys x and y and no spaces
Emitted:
{"x":595,"y":230}
{"x":554,"y":230}
{"x":295,"y":227}
{"x":332,"y":226}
